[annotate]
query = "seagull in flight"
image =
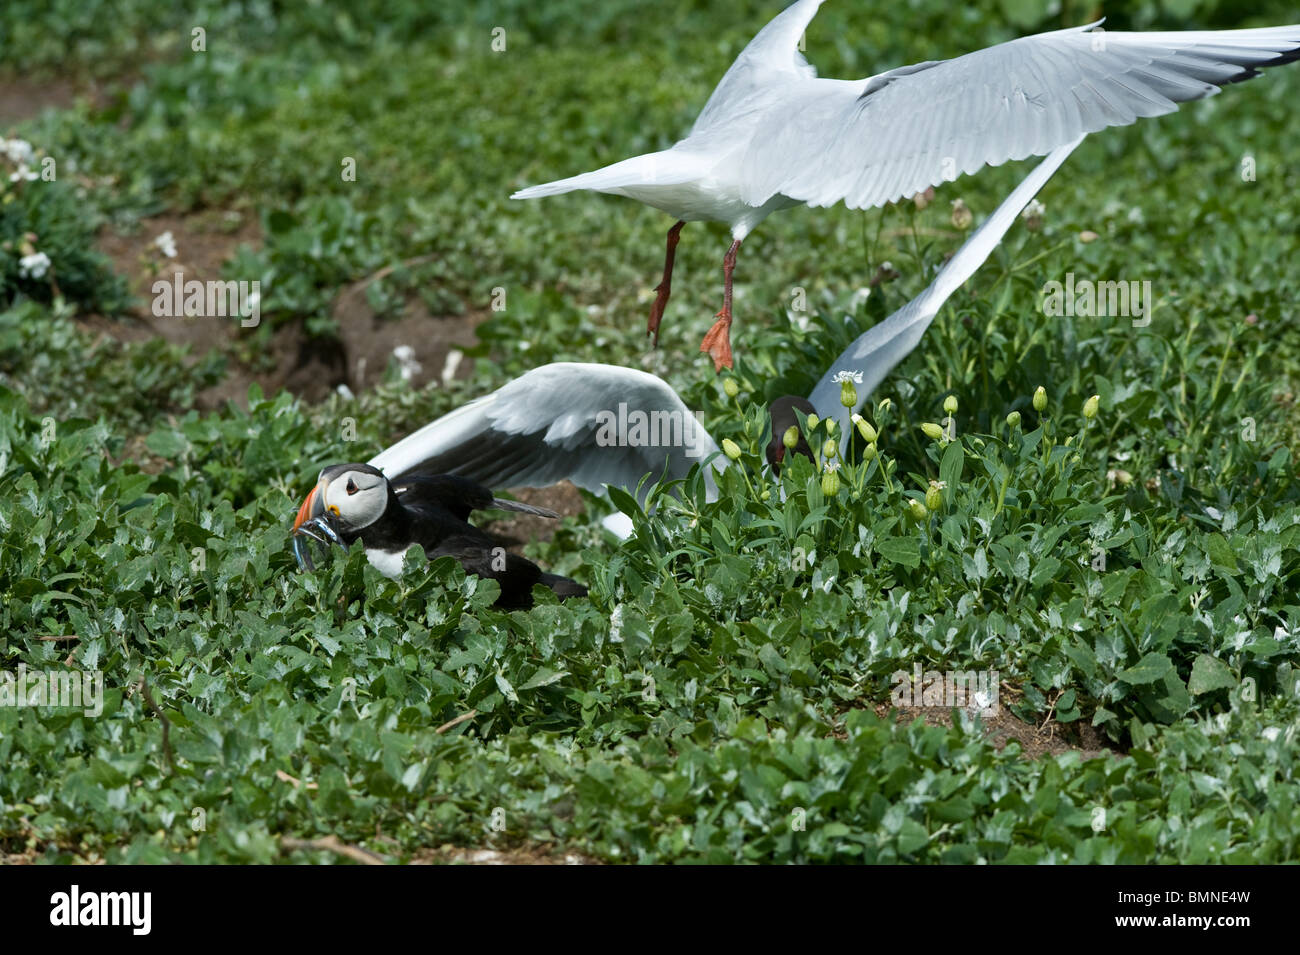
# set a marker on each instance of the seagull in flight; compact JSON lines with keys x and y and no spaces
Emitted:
{"x":774,"y":135}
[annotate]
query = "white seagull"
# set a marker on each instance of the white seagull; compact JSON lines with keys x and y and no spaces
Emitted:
{"x":774,"y":135}
{"x":576,"y":421}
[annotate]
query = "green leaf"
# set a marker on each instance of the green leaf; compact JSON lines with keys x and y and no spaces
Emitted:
{"x":1210,"y":673}
{"x":901,"y":550}
{"x":1149,"y":669}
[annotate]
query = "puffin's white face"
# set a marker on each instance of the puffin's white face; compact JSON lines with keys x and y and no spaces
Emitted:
{"x":356,"y":498}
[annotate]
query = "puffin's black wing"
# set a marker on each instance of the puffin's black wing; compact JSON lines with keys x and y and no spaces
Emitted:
{"x":516,"y":575}
{"x":457,"y":496}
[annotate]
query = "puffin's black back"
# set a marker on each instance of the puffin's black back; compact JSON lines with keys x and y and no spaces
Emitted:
{"x":433,"y":511}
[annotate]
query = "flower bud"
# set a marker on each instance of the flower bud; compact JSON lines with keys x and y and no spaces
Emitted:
{"x":917,"y":509}
{"x":1090,"y":407}
{"x":1013,"y":420}
{"x":950,"y":404}
{"x":830,"y":448}
{"x":868,"y":453}
{"x":848,"y":394}
{"x":1040,"y":399}
{"x":730,"y":387}
{"x":791,"y":437}
{"x":731,"y":449}
{"x":1087,"y":235}
{"x":831,"y":483}
{"x":962,"y":218}
{"x":933,"y":497}
{"x":864,"y":428}
{"x":813,"y":421}
{"x":932,"y":430}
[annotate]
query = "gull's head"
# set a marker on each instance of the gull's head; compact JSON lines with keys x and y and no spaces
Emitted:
{"x":783,"y":415}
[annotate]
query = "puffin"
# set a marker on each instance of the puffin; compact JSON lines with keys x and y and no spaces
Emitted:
{"x":357,"y":502}
{"x":774,"y":135}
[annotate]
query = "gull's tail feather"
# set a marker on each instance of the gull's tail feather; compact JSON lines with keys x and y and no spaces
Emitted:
{"x":664,"y":168}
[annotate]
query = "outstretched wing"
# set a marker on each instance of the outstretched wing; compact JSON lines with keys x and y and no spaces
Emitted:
{"x":591,"y":424}
{"x":873,"y":141}
{"x":875,"y":353}
{"x":771,"y":59}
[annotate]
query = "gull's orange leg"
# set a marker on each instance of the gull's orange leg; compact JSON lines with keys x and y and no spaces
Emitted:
{"x":717,"y":341}
{"x":666,"y":286}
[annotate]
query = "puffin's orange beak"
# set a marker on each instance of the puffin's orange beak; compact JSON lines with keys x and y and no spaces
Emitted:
{"x":311,"y":508}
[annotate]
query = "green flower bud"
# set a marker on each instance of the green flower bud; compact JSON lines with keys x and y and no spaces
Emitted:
{"x":884,"y":406}
{"x":933,"y":497}
{"x":1040,"y":399}
{"x":1090,"y":407}
{"x":1013,"y":420}
{"x":730,"y":387}
{"x":864,"y":428}
{"x":848,"y":394}
{"x":812,"y":422}
{"x":950,"y":404}
{"x":831,"y":483}
{"x":918,"y":509}
{"x":731,"y":449}
{"x":868,"y":453}
{"x":830,"y":425}
{"x":932,"y":430}
{"x":791,"y":437}
{"x":830,"y":448}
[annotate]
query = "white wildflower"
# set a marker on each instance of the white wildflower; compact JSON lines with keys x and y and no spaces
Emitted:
{"x":19,"y":151}
{"x":34,"y":266}
{"x":843,"y":376}
{"x":166,"y":244}
{"x":407,"y":366}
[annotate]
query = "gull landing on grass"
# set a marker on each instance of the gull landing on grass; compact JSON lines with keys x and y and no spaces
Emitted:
{"x":773,"y":135}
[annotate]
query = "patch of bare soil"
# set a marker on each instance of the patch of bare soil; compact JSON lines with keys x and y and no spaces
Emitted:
{"x":1050,"y":739}
{"x":22,"y":98}
{"x":307,"y":367}
{"x":563,"y":498}
{"x":369,"y":341}
{"x":203,"y":241}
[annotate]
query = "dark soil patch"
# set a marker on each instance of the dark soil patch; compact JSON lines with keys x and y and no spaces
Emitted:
{"x":308,"y":367}
{"x":1050,"y":739}
{"x":22,"y":98}
{"x":369,"y":340}
{"x":563,"y":498}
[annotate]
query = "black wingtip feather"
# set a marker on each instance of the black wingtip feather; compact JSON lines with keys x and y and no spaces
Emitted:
{"x":523,"y":508}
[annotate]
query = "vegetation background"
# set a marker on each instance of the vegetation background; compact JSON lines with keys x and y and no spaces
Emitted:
{"x":725,"y":694}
